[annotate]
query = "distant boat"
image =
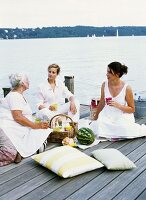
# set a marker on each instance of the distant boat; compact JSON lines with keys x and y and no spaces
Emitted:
{"x":117,"y":33}
{"x":93,"y":35}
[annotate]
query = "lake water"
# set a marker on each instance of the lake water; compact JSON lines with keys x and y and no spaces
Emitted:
{"x":85,"y":58}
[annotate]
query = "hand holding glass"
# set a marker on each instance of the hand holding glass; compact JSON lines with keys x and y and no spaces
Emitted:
{"x":108,"y":99}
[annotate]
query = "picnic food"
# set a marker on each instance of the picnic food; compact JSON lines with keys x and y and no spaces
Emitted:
{"x":37,"y":120}
{"x":57,"y":129}
{"x":55,"y":106}
{"x":85,"y":136}
{"x":67,"y":128}
{"x":69,"y":141}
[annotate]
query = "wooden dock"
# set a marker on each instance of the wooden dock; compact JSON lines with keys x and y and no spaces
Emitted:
{"x":28,"y":180}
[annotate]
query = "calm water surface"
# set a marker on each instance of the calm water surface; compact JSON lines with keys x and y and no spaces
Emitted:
{"x":85,"y":58}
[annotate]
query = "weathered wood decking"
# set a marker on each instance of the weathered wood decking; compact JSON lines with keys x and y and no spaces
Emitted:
{"x":28,"y":180}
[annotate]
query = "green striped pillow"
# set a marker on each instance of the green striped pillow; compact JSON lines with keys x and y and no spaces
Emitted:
{"x":67,"y":161}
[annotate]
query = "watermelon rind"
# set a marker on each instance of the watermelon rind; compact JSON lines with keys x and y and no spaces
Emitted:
{"x":85,"y":136}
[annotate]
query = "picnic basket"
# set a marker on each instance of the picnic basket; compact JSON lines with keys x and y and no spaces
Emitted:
{"x":58,"y":136}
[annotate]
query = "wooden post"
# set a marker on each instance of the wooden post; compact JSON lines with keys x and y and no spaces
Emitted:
{"x":69,"y":83}
{"x":6,"y":91}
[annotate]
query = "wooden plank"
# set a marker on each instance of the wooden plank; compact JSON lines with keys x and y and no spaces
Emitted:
{"x":78,"y":183}
{"x":73,"y":185}
{"x":6,"y":168}
{"x":14,"y":176}
{"x":28,"y":186}
{"x":15,"y":172}
{"x":141,"y":120}
{"x":113,"y":188}
{"x":99,"y":182}
{"x":142,"y":196}
{"x":104,"y":144}
{"x":21,"y":179}
{"x":134,"y":143}
{"x":84,"y":111}
{"x":136,"y":187}
{"x":37,"y":192}
{"x":94,"y":186}
{"x":27,"y":180}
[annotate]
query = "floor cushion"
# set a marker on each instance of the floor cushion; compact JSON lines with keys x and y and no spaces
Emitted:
{"x":67,"y":161}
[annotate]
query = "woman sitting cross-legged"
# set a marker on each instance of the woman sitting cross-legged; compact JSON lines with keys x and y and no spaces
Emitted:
{"x":115,"y":119}
{"x":20,"y":136}
{"x":51,"y":96}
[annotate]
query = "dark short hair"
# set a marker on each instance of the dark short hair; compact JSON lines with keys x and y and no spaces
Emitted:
{"x":54,"y":66}
{"x":118,"y":68}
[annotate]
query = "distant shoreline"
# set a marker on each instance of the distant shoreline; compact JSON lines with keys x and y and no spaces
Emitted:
{"x":69,"y":31}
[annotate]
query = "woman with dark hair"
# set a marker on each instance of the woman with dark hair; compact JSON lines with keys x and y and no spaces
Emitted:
{"x":115,"y":118}
{"x":51,"y":96}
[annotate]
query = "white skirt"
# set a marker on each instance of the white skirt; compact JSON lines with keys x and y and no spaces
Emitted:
{"x":26,"y":140}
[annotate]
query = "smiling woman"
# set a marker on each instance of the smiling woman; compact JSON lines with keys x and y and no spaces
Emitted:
{"x":115,"y":119}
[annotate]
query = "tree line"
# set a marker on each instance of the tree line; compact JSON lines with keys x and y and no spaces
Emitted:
{"x":68,"y":31}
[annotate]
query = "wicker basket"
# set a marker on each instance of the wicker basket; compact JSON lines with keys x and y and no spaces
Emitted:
{"x":58,"y":136}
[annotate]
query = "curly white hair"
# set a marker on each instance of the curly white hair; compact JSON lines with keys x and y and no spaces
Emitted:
{"x":17,"y":79}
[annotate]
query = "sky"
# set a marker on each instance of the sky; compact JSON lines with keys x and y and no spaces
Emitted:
{"x":45,"y":13}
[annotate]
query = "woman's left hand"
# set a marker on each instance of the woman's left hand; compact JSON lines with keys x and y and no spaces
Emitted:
{"x":73,"y":109}
{"x":41,"y":125}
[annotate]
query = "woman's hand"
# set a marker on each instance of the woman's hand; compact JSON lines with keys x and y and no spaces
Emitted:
{"x":41,"y":125}
{"x":73,"y":108}
{"x":21,"y":119}
{"x":114,"y":104}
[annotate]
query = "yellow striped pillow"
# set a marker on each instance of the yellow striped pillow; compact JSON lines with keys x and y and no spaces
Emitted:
{"x":67,"y":161}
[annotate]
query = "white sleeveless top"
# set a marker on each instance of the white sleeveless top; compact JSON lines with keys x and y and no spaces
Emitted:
{"x":120,"y":98}
{"x":112,"y":112}
{"x":114,"y":123}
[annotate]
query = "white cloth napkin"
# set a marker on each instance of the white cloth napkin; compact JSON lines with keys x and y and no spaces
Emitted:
{"x":81,"y":146}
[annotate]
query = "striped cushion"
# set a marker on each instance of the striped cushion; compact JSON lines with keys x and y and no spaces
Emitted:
{"x":67,"y":161}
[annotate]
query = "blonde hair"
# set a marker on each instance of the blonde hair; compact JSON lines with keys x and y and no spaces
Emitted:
{"x":54,"y":66}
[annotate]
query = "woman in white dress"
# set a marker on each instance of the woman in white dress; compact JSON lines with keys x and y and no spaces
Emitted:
{"x":16,"y":122}
{"x":115,"y":118}
{"x":51,"y":96}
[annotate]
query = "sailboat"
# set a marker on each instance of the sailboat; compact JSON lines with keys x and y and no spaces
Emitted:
{"x":117,"y":33}
{"x":93,"y":35}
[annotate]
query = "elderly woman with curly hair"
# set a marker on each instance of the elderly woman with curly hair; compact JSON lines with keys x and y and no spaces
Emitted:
{"x":20,"y":136}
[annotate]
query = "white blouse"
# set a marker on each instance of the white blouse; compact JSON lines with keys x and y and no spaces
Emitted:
{"x":26,"y":140}
{"x":47,"y":96}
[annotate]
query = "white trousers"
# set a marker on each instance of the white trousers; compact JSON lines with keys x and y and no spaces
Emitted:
{"x":45,"y":113}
